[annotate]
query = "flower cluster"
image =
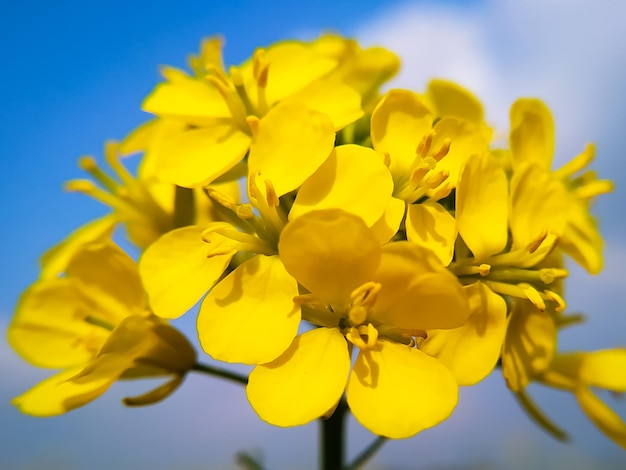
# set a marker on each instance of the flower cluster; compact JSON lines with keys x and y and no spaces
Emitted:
{"x":344,"y":241}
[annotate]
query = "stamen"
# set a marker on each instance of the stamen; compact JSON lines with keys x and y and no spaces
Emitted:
{"x":244,"y":211}
{"x":354,"y":337}
{"x":549,"y":275}
{"x":111,"y":156}
{"x":557,"y":299}
{"x":271,"y":196}
{"x":366,"y":294}
{"x":253,"y":124}
{"x":443,"y":150}
{"x":595,"y":188}
{"x":435,"y":178}
{"x":423,"y":148}
{"x":387,"y":159}
{"x":222,"y":199}
{"x":577,"y":163}
{"x":536,"y":243}
{"x":89,"y":165}
{"x":534,"y":296}
{"x":307,"y":299}
{"x":357,"y":314}
{"x":260,"y":69}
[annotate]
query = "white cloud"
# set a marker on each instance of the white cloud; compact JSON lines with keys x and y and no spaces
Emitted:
{"x":570,"y":54}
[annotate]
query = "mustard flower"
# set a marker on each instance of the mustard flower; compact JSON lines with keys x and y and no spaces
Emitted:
{"x":96,"y":325}
{"x":376,"y":299}
{"x":532,"y":151}
{"x":203,"y":129}
{"x":425,"y":161}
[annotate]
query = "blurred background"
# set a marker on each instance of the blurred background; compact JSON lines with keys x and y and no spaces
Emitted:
{"x":75,"y":73}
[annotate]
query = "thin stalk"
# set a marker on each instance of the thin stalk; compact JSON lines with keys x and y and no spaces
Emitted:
{"x":367,"y":454}
{"x":217,"y":372}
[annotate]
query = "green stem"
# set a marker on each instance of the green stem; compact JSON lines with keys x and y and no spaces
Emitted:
{"x":333,"y":438}
{"x":184,"y":207}
{"x":367,"y":454}
{"x":217,"y":372}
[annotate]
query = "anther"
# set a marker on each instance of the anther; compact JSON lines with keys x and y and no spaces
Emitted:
{"x":253,"y":124}
{"x":222,"y":199}
{"x":536,"y":243}
{"x":435,"y":178}
{"x":484,"y":269}
{"x":534,"y":296}
{"x":366,"y":294}
{"x":549,"y":275}
{"x":423,"y":148}
{"x":443,"y":150}
{"x":357,"y":314}
{"x":387,"y":159}
{"x":557,"y":299}
{"x":260,"y":68}
{"x":244,"y":211}
{"x":271,"y":196}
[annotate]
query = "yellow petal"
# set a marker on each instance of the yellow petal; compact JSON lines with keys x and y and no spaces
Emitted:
{"x":472,"y":350}
{"x":192,"y":157}
{"x":329,"y":252}
{"x":143,"y":342}
{"x":305,"y":382}
{"x":187,"y":99}
{"x":451,"y":99}
{"x":109,"y":278}
{"x":602,"y":416}
{"x":49,"y":327}
{"x":399,"y":123}
{"x":179,"y":268}
{"x":353,"y":179}
{"x":582,"y":239}
{"x":138,"y":140}
{"x":465,"y":140}
{"x":532,"y":133}
{"x":55,"y":260}
{"x":250,"y":317}
{"x":604,"y":369}
{"x":293,"y":66}
{"x":431,"y":226}
{"x":529,"y":344}
{"x":341,"y":103}
{"x":539,"y":204}
{"x":417,"y":291}
{"x":291,"y":143}
{"x":482,"y":206}
{"x":387,"y":226}
{"x":399,"y":391}
{"x":58,"y":394}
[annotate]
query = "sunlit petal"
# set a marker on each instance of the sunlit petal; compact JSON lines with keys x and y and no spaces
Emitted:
{"x":398,"y":391}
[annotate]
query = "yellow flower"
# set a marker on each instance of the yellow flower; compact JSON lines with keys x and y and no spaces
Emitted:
{"x":425,"y":162}
{"x":95,"y":323}
{"x":290,"y":151}
{"x":532,"y":150}
{"x":145,"y":207}
{"x":206,"y":123}
{"x":375,"y":298}
{"x":578,"y":372}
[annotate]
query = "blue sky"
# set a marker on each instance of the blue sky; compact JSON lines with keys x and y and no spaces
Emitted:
{"x":75,"y":75}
